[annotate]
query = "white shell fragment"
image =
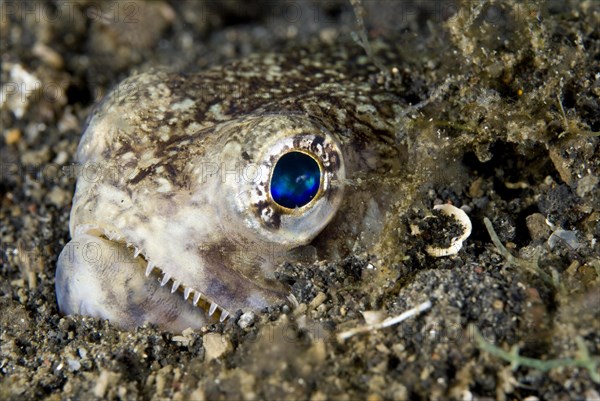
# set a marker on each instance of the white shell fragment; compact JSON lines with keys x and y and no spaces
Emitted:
{"x":390,"y":321}
{"x":456,"y":243}
{"x":373,"y":317}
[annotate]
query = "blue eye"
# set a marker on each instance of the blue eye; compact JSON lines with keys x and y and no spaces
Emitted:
{"x":296,"y":180}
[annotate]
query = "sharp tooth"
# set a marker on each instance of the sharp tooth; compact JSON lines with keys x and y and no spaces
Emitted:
{"x":186,"y":293}
{"x":165,"y":279}
{"x":197,"y":296}
{"x":136,"y":252}
{"x":224,"y":315}
{"x":149,"y":268}
{"x":212,"y":309}
{"x":175,"y":286}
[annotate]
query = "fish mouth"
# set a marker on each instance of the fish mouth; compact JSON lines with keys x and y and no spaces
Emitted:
{"x":178,"y":288}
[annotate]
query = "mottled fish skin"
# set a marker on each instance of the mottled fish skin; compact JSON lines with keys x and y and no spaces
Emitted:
{"x":181,"y":166}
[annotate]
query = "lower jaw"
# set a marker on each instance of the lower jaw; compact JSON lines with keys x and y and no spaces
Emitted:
{"x":189,"y":294}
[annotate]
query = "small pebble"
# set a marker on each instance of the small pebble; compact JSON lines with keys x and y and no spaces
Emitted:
{"x":12,"y":136}
{"x":215,"y":345}
{"x":74,"y":364}
{"x":246,"y":320}
{"x":538,"y":229}
{"x":58,"y":197}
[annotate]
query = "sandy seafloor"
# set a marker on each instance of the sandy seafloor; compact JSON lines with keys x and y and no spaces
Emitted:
{"x":513,"y":95}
